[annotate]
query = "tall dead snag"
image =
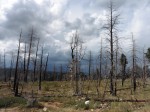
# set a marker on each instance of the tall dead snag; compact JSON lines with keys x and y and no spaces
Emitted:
{"x":111,"y":27}
{"x":81,"y":53}
{"x":5,"y":77}
{"x":144,"y":69}
{"x":148,"y":57}
{"x":72,"y":65}
{"x":77,"y":53}
{"x":15,"y":86}
{"x":41,"y":63}
{"x":45,"y":70}
{"x":90,"y":64}
{"x":116,"y":66}
{"x":61,"y":73}
{"x":29,"y":54}
{"x":54,"y":72}
{"x":35,"y":61}
{"x":89,"y":71}
{"x":24,"y":64}
{"x":106,"y":74}
{"x":133,"y":76}
{"x":100,"y":64}
{"x":11,"y":65}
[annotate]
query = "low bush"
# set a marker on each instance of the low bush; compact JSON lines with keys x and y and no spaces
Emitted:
{"x":10,"y":101}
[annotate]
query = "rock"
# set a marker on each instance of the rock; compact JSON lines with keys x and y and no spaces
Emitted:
{"x":44,"y":109}
{"x":87,"y":102}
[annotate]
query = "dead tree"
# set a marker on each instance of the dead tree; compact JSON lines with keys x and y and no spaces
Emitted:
{"x":90,"y":64}
{"x":77,"y":53}
{"x":80,"y":58}
{"x":89,"y":59}
{"x":144,"y":70}
{"x":41,"y":64}
{"x":111,"y":27}
{"x":24,"y":65}
{"x":100,"y":64}
{"x":35,"y":61}
{"x":29,"y":54}
{"x":61,"y":73}
{"x":15,"y":86}
{"x":45,"y":70}
{"x":5,"y":77}
{"x":133,"y":76}
{"x":11,"y":65}
{"x":116,"y":67}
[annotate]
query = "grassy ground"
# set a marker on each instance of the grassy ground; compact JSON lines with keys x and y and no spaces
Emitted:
{"x":58,"y":97}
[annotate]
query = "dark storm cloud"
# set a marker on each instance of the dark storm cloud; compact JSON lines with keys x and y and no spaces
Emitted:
{"x":28,"y":15}
{"x":52,"y":22}
{"x":88,"y":26}
{"x":24,"y":16}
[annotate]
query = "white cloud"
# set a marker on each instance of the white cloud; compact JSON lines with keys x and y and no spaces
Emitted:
{"x":57,"y":25}
{"x":57,"y":20}
{"x":57,"y":6}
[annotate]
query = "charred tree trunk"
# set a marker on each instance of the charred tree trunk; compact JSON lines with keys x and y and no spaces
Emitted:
{"x":35,"y":62}
{"x":144,"y":70}
{"x":40,"y":75}
{"x":54,"y":73}
{"x":133,"y":77}
{"x":5,"y":77}
{"x":15,"y":86}
{"x":29,"y":54}
{"x":45,"y":71}
{"x":61,"y":73}
{"x":11,"y":66}
{"x":90,"y":63}
{"x":24,"y":65}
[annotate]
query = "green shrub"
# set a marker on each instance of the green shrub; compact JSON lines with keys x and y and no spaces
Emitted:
{"x":46,"y":88}
{"x":10,"y":101}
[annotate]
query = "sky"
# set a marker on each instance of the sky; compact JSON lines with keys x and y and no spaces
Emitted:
{"x":54,"y":22}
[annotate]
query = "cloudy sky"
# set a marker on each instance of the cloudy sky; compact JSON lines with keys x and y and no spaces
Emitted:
{"x":54,"y":21}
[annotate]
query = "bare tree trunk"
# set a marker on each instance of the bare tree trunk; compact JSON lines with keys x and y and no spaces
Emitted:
{"x":15,"y":87}
{"x":24,"y":65}
{"x":100,"y":69}
{"x":111,"y":27}
{"x":144,"y":69}
{"x":89,"y":72}
{"x":11,"y":66}
{"x":40,"y":75}
{"x":61,"y":73}
{"x":5,"y":77}
{"x":76,"y":69}
{"x":90,"y":62}
{"x":35,"y":62}
{"x":29,"y":54}
{"x":54,"y":73}
{"x":45,"y":71}
{"x":116,"y":69}
{"x":133,"y":77}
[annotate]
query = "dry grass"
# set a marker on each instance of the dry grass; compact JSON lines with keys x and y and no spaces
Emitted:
{"x":57,"y":97}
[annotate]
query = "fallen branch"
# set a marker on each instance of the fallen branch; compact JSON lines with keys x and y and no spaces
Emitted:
{"x":121,"y":89}
{"x":121,"y":100}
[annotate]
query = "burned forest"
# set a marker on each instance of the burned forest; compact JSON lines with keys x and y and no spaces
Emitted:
{"x":74,"y":56}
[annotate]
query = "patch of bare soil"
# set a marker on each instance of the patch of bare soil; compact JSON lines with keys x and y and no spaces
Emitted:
{"x":13,"y":109}
{"x":52,"y":105}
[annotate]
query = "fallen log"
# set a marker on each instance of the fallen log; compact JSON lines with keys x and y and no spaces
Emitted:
{"x":121,"y":100}
{"x":121,"y":89}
